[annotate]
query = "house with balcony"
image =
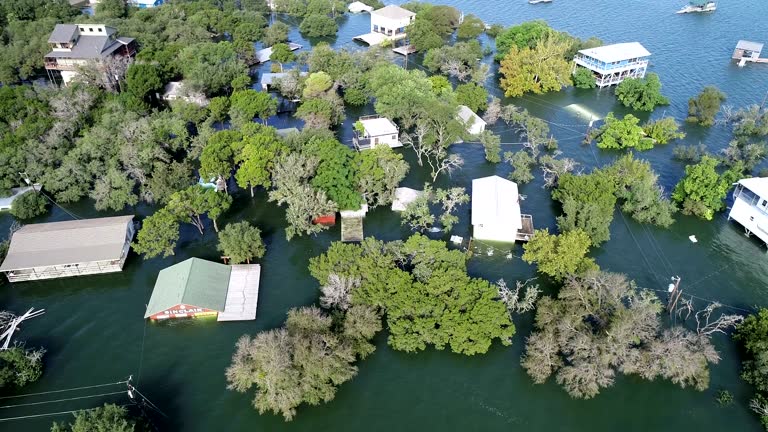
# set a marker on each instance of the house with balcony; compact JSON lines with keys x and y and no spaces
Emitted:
{"x":372,"y":131}
{"x":145,"y":4}
{"x":750,"y":206}
{"x":76,"y":45}
{"x":612,"y":64}
{"x":388,"y":23}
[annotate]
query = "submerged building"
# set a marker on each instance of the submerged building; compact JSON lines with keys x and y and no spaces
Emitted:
{"x":496,"y":212}
{"x":612,"y":64}
{"x":372,"y":131}
{"x":750,"y":206}
{"x":388,"y":24}
{"x":65,"y":249}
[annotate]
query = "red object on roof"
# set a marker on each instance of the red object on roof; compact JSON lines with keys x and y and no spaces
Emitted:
{"x":327,"y":220}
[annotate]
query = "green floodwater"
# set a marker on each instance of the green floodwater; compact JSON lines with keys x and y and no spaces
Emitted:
{"x":94,"y":332}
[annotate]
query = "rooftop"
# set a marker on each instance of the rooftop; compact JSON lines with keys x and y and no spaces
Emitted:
{"x":63,"y":33}
{"x":268,"y":78}
{"x":749,"y":46}
{"x":70,"y":242}
{"x":194,"y":282}
{"x":617,"y":52}
{"x":758,"y":185}
{"x":393,"y":12}
{"x":379,"y":126}
{"x":469,"y":117}
{"x":495,"y":201}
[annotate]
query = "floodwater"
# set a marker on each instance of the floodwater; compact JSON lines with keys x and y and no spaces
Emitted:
{"x":94,"y":332}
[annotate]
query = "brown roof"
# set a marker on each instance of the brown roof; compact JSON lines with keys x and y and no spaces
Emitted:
{"x":70,"y":242}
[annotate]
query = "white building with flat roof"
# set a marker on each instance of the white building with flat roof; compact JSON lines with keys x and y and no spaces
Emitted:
{"x":612,"y":64}
{"x":496,"y":211}
{"x":376,"y":131}
{"x":388,"y":23}
{"x":750,"y":206}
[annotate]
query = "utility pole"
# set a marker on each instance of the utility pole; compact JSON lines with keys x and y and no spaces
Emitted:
{"x":674,"y":294}
{"x":764,"y":98}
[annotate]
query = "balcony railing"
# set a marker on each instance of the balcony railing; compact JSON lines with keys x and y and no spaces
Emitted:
{"x":596,"y":65}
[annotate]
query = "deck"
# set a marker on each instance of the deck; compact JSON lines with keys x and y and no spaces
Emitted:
{"x":404,"y":50}
{"x":352,"y":229}
{"x":526,"y":232}
{"x":242,"y":294}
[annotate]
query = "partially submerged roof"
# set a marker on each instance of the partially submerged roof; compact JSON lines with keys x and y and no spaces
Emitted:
{"x":758,"y":185}
{"x":379,"y":126}
{"x":193,"y":282}
{"x":393,"y":12}
{"x":70,"y":242}
{"x":357,"y":7}
{"x":372,"y":39}
{"x":63,"y":33}
{"x":617,"y":52}
{"x":749,"y":46}
{"x":495,"y":202}
{"x":469,"y":117}
{"x":263,"y":55}
{"x":403,"y":197}
{"x":269,"y":78}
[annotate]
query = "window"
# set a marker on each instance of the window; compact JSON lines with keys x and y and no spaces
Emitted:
{"x":82,"y":29}
{"x":90,"y":29}
{"x":763,"y":204}
{"x":375,"y":28}
{"x":100,"y":29}
{"x":394,"y":137}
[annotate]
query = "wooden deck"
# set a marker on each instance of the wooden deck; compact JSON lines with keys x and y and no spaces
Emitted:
{"x":404,"y":50}
{"x":352,"y":229}
{"x":242,"y":294}
{"x":526,"y":232}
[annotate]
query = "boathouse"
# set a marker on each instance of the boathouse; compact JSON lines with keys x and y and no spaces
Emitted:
{"x":472,"y":122}
{"x":198,"y":288}
{"x":747,"y":51}
{"x":496,"y":212}
{"x":612,"y":64}
{"x":387,"y":23}
{"x":750,"y":206}
{"x":72,"y":248}
{"x":372,"y":131}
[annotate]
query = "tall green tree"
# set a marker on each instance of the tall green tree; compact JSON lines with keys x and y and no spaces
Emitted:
{"x":536,"y":70}
{"x":702,"y":190}
{"x":241,"y":242}
{"x":189,"y":205}
{"x":588,"y":203}
{"x":703,"y":108}
{"x":110,"y":417}
{"x":256,"y":160}
{"x":622,"y":133}
{"x":143,"y":79}
{"x":245,"y":105}
{"x":282,"y":54}
{"x":642,"y":94}
{"x":158,"y":235}
{"x":559,"y":255}
{"x":525,"y":35}
{"x":317,"y":25}
{"x":217,"y":158}
{"x":475,"y":97}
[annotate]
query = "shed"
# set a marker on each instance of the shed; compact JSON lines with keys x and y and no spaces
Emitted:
{"x":358,"y":7}
{"x":747,"y":49}
{"x":198,"y":288}
{"x":71,"y":248}
{"x":376,"y":131}
{"x":403,"y":197}
{"x":495,"y":209}
{"x":262,"y":56}
{"x":474,"y":124}
{"x":175,"y":90}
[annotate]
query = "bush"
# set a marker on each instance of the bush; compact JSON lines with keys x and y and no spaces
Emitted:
{"x":241,"y":242}
{"x":642,"y":94}
{"x":318,"y":25}
{"x":29,"y":205}
{"x":473,"y":96}
{"x":584,"y":78}
{"x":703,"y":108}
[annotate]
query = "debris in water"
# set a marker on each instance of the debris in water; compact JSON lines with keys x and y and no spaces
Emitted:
{"x":693,"y":239}
{"x":490,"y":252}
{"x":457,"y":239}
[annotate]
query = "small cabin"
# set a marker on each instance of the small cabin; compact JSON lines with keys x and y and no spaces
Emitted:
{"x":612,"y":64}
{"x":474,"y":124}
{"x":496,"y":214}
{"x":388,"y":23}
{"x":197,"y":288}
{"x":372,"y":131}
{"x":750,"y":206}
{"x":65,"y":249}
{"x":747,"y":50}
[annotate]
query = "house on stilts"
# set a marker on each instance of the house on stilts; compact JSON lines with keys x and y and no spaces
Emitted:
{"x":750,"y":206}
{"x":612,"y":64}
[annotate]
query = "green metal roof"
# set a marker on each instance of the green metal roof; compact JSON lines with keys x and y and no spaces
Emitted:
{"x":193,"y":282}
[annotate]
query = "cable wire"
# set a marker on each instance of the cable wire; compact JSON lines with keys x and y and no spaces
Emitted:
{"x":62,"y":400}
{"x":52,"y":414}
{"x":64,"y":390}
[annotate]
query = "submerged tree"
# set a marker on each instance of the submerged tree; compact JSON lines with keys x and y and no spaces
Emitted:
{"x":241,"y":242}
{"x":703,"y":108}
{"x":110,"y":417}
{"x":559,"y":255}
{"x":702,"y":190}
{"x":536,"y":70}
{"x":158,"y":235}
{"x":642,"y":94}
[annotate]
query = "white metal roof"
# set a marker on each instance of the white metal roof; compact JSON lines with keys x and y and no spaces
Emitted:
{"x":749,"y":45}
{"x":758,"y":185}
{"x":617,"y":52}
{"x":393,"y":12}
{"x":495,"y":202}
{"x":379,"y":126}
{"x":372,"y":38}
{"x":403,"y":197}
{"x":469,"y":117}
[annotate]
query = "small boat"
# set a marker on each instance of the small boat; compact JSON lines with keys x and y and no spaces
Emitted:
{"x":698,"y":6}
{"x":539,"y":1}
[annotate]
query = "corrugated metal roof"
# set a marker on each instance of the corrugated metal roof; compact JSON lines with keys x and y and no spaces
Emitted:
{"x":194,"y":282}
{"x":495,"y":201}
{"x":617,"y":52}
{"x":749,"y":46}
{"x":71,"y":242}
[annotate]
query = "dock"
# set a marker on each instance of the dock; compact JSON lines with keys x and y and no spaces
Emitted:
{"x":404,"y":50}
{"x":352,"y":229}
{"x":525,"y":233}
{"x":748,"y":52}
{"x":242,"y":294}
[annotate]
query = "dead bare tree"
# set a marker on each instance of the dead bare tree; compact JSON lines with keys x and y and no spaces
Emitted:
{"x":337,"y":292}
{"x":512,"y":299}
{"x":759,"y":406}
{"x":493,"y":112}
{"x":705,"y":325}
{"x":553,"y":168}
{"x":685,"y":307}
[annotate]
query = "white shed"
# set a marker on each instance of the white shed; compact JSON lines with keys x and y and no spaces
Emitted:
{"x":495,"y":209}
{"x":376,"y":131}
{"x":474,"y":124}
{"x":358,"y":7}
{"x":750,"y":206}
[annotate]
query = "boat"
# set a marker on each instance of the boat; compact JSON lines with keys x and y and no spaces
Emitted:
{"x":698,"y":6}
{"x":539,"y":1}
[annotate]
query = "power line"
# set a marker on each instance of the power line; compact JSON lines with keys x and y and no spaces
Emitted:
{"x":64,"y":390}
{"x":52,"y":414}
{"x":62,"y":400}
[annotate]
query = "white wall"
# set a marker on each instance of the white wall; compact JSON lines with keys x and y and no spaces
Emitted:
{"x":389,"y":24}
{"x":500,"y":233}
{"x":389,"y":140}
{"x":750,"y":218}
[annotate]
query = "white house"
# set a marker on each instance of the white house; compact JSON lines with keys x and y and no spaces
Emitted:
{"x":388,"y":23}
{"x":496,"y":211}
{"x":612,"y":64}
{"x":474,"y":124}
{"x":750,"y":206}
{"x":376,"y":131}
{"x":144,"y":4}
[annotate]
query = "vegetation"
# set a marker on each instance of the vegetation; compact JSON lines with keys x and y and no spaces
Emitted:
{"x":601,"y":324}
{"x":663,"y":130}
{"x":158,"y":235}
{"x":540,"y":69}
{"x":304,"y":361}
{"x":703,"y":108}
{"x":521,"y":162}
{"x":29,"y":205}
{"x":702,"y":190}
{"x":317,"y":25}
{"x":642,"y":94}
{"x":241,"y":242}
{"x":559,"y":255}
{"x":418,"y":216}
{"x":588,"y":202}
{"x":432,"y":25}
{"x":622,"y":134}
{"x":753,"y":336}
{"x":491,"y":145}
{"x":470,"y":28}
{"x":424,"y":290}
{"x":525,"y":35}
{"x":110,"y":418}
{"x":20,"y":366}
{"x":583,"y":78}
{"x":473,"y":96}
{"x":639,"y":193}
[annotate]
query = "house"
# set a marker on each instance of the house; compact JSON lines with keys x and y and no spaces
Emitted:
{"x":371,"y":131}
{"x":612,"y":64}
{"x":747,"y":50}
{"x":71,"y":248}
{"x":175,"y":90}
{"x":267,"y":79}
{"x":750,"y":206}
{"x":387,"y":23}
{"x":474,"y":124}
{"x":144,"y":4}
{"x":403,"y":197}
{"x":263,"y":55}
{"x":198,"y":288}
{"x":358,"y":7}
{"x":76,"y":45}
{"x":496,"y":211}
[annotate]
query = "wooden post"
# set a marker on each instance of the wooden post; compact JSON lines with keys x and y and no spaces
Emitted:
{"x":674,"y":295}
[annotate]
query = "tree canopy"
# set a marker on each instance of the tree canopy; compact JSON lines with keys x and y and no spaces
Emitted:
{"x":702,"y":190}
{"x":559,"y":255}
{"x":241,"y":242}
{"x":539,"y":69}
{"x":703,"y":108}
{"x":642,"y":94}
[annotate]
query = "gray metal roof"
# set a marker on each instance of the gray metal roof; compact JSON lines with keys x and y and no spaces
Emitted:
{"x":71,"y":242}
{"x":749,"y":46}
{"x":63,"y":33}
{"x":88,"y":46}
{"x":193,"y":282}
